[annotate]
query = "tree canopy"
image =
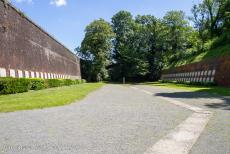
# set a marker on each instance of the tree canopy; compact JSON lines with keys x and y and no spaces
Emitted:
{"x":138,"y":48}
{"x":95,"y":50}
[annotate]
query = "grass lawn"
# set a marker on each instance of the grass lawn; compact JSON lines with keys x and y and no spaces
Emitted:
{"x":214,"y":53}
{"x":212,"y":89}
{"x":46,"y":98}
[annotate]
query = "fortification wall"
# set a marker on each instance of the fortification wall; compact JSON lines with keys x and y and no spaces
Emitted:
{"x":211,"y":70}
{"x":26,"y":50}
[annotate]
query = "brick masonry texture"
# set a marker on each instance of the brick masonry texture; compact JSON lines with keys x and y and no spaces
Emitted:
{"x":25,"y":46}
{"x":221,"y":66}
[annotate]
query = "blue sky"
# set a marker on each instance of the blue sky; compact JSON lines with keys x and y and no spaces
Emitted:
{"x":67,"y":19}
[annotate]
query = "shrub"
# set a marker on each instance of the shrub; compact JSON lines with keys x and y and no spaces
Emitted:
{"x":54,"y":83}
{"x":68,"y":82}
{"x":13,"y":85}
{"x":37,"y":84}
{"x":77,"y":81}
{"x":18,"y":85}
{"x":24,"y":85}
{"x":224,"y":39}
{"x":83,"y":81}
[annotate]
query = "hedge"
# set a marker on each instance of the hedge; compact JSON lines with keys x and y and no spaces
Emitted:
{"x":37,"y":84}
{"x":19,"y":85}
{"x":54,"y":83}
{"x":14,"y":85}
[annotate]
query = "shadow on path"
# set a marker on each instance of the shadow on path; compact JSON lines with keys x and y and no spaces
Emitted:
{"x":224,"y":104}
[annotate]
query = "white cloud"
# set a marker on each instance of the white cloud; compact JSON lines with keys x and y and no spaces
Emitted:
{"x":58,"y":3}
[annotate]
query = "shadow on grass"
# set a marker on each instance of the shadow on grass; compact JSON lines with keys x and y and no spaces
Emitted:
{"x":197,"y":92}
{"x":201,"y":94}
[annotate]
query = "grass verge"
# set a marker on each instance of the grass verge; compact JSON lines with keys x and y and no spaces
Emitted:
{"x":213,"y":53}
{"x":222,"y":91}
{"x":46,"y":98}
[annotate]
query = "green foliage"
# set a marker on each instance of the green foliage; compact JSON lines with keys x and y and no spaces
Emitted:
{"x":54,"y":83}
{"x":38,"y":84}
{"x":46,"y":98}
{"x":68,"y":82}
{"x":13,"y":85}
{"x":177,"y":30}
{"x":190,"y":57}
{"x":211,"y":18}
{"x":139,"y":48}
{"x":19,"y":85}
{"x":223,"y":91}
{"x":78,"y":81}
{"x":95,"y":50}
{"x":222,"y":40}
{"x":211,"y":21}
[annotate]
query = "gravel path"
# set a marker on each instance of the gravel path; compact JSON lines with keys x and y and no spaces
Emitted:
{"x":114,"y":119}
{"x":216,"y":137}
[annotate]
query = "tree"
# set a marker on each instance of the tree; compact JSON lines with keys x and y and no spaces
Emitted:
{"x":138,"y":47}
{"x":211,"y":16}
{"x":151,"y":42}
{"x":123,"y":26}
{"x":177,"y":29}
{"x":95,"y":50}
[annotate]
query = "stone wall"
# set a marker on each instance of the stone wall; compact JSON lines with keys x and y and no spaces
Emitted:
{"x":211,"y":70}
{"x":26,"y":50}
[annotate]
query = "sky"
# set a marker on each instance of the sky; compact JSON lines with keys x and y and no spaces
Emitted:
{"x":66,"y":20}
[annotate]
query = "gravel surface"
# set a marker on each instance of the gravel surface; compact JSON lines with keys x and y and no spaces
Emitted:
{"x":216,"y":137}
{"x":114,"y":119}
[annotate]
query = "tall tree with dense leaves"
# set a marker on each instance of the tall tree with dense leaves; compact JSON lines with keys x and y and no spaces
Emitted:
{"x":138,"y":48}
{"x":211,"y":16}
{"x":150,"y":44}
{"x":123,"y":27}
{"x":177,"y":29}
{"x":95,"y":50}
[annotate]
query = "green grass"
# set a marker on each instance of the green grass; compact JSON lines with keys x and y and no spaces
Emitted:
{"x":46,"y":98}
{"x":214,"y":53}
{"x":222,"y":91}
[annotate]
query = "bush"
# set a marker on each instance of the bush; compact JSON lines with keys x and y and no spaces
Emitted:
{"x":83,"y":81}
{"x":18,"y":85}
{"x":37,"y":84}
{"x":78,"y":81}
{"x":14,"y":85}
{"x":208,"y":45}
{"x":54,"y":83}
{"x":224,"y":39}
{"x":68,"y":82}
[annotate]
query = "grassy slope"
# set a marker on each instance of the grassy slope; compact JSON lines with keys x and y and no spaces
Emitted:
{"x":214,"y":53}
{"x":213,"y":89}
{"x":46,"y":98}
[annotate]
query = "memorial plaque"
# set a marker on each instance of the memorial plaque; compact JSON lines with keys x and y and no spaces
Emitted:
{"x":45,"y":76}
{"x":20,"y":74}
{"x":213,"y":72}
{"x":12,"y":73}
{"x":2,"y":72}
{"x":27,"y":75}
{"x":37,"y":75}
{"x":212,"y":79}
{"x":32,"y":74}
{"x":42,"y":75}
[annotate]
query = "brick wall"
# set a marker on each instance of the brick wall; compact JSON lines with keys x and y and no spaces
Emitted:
{"x":27,"y":50}
{"x":210,"y":70}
